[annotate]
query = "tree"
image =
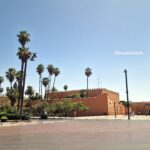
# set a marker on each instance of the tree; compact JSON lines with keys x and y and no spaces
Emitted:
{"x":1,"y":90}
{"x":50,"y":69}
{"x":1,"y":80}
{"x":54,"y":89}
{"x":67,"y":107}
{"x":40,"y":69}
{"x":88,"y":73}
{"x":10,"y":75}
{"x":56,"y":73}
{"x":29,"y":91}
{"x":65,"y":87}
{"x":83,"y":93}
{"x":12,"y":94}
{"x":23,"y":38}
{"x":45,"y":82}
{"x":24,"y":55}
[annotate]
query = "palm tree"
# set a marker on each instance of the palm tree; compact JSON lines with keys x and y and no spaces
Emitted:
{"x":56,"y":73}
{"x":40,"y":69}
{"x":18,"y":76}
{"x":50,"y":69}
{"x":45,"y":82}
{"x":24,"y":55}
{"x":23,"y":38}
{"x":29,"y":91}
{"x":10,"y":75}
{"x":88,"y":72}
{"x":1,"y":80}
{"x":12,"y":94}
{"x":65,"y":87}
{"x":1,"y":90}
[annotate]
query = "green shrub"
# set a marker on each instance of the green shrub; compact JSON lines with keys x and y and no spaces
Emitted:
{"x":3,"y":114}
{"x":83,"y":93}
{"x":4,"y":118}
{"x":13,"y":116}
{"x":39,"y":108}
{"x":25,"y":117}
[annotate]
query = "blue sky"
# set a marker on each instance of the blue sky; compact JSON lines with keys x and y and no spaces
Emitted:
{"x":75,"y":34}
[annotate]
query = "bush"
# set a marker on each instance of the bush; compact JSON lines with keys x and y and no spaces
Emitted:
{"x":25,"y":117}
{"x":83,"y":93}
{"x":7,"y":109}
{"x":39,"y":108}
{"x":4,"y":118}
{"x":3,"y":114}
{"x":67,"y":107}
{"x":13,"y":116}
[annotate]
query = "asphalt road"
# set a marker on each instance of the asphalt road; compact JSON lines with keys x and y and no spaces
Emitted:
{"x":78,"y":135}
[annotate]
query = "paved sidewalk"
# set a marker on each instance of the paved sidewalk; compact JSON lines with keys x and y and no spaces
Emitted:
{"x":37,"y":120}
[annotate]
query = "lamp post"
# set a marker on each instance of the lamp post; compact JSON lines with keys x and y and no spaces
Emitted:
{"x":128,"y":105}
{"x":115,"y":109}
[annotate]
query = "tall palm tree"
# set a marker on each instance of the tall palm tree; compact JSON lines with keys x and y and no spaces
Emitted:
{"x":40,"y":69}
{"x":10,"y":75}
{"x":88,"y":73}
{"x":1,"y":80}
{"x":45,"y":82}
{"x":65,"y":87}
{"x":24,"y":55}
{"x":50,"y":69}
{"x":56,"y":73}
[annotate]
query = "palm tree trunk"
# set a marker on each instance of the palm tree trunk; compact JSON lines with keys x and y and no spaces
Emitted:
{"x":23,"y":87}
{"x":11,"y":85}
{"x":20,"y":86}
{"x":87,"y":86}
{"x":53,"y":87}
{"x":45,"y":94}
{"x":49,"y":85}
{"x":39,"y":84}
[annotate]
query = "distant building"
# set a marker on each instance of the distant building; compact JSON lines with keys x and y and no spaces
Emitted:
{"x":140,"y":108}
{"x":99,"y":101}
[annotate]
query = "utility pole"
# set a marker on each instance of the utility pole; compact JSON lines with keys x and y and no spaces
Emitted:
{"x":115,"y":110}
{"x":128,"y":105}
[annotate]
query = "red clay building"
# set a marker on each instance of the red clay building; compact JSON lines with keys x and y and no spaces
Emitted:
{"x":140,"y":108}
{"x":99,"y":101}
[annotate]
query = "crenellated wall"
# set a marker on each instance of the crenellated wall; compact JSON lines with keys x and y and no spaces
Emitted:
{"x":91,"y":93}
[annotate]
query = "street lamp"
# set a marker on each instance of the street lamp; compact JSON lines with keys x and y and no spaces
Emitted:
{"x":128,"y":105}
{"x":115,"y":109}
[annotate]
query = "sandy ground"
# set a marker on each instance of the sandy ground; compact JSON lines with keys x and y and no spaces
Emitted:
{"x":52,"y":120}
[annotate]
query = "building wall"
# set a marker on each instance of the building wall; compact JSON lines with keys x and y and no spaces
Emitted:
{"x":4,"y":101}
{"x":100,"y":102}
{"x":140,"y":108}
